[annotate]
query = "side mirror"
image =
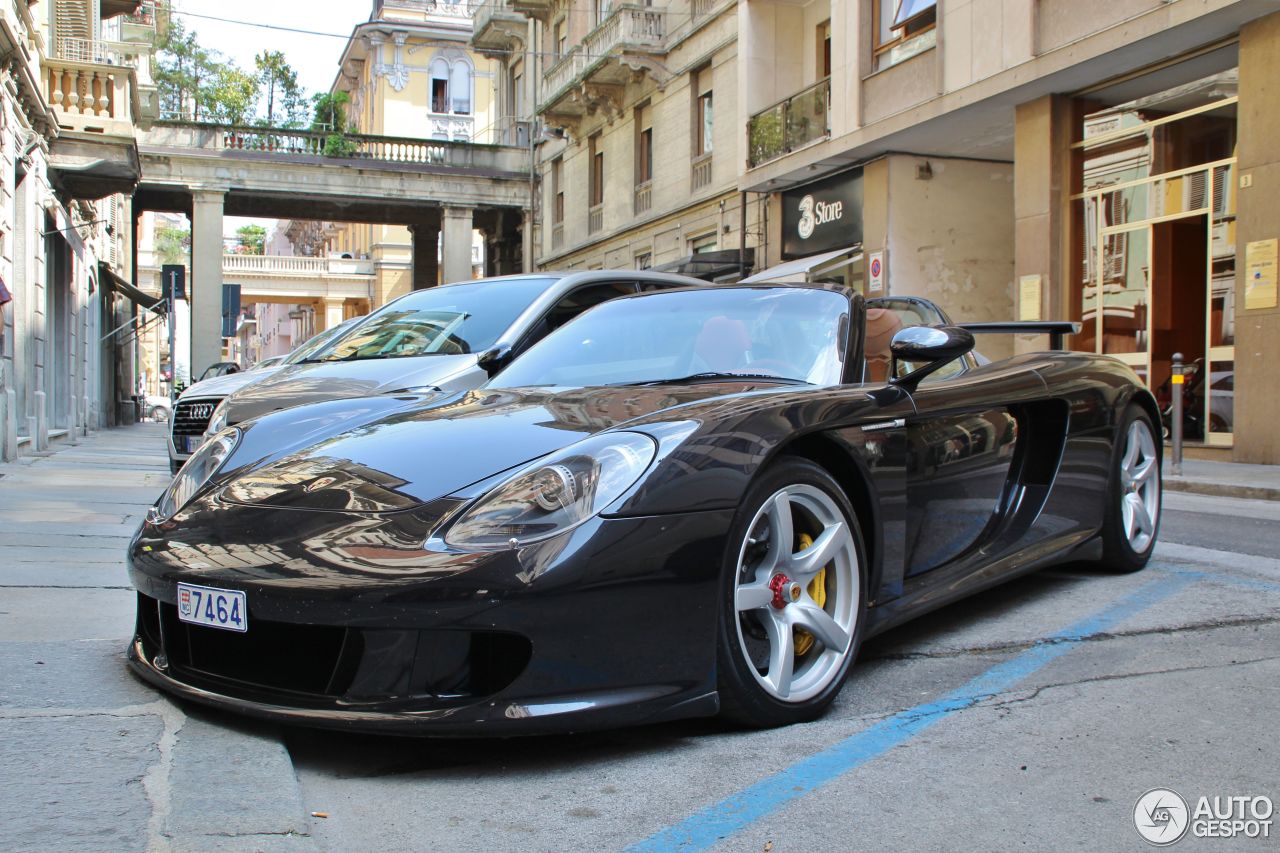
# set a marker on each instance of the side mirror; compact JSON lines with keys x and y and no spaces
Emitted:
{"x":494,"y":359}
{"x":935,"y":346}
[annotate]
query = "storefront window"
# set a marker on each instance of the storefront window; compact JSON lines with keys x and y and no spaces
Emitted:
{"x":1153,"y":237}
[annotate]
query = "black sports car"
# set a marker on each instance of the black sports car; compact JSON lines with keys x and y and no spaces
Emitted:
{"x":680,"y":503}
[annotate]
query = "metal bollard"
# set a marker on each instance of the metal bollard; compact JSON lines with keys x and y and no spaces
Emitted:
{"x":1175,"y":419}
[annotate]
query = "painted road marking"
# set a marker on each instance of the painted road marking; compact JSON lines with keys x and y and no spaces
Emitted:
{"x":734,"y":813}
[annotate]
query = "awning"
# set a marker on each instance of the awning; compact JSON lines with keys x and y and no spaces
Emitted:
{"x":710,"y":266}
{"x":127,"y":290}
{"x":800,"y":269}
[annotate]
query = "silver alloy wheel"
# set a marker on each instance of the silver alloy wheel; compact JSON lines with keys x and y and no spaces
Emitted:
{"x":1140,"y":486}
{"x":772,"y":597}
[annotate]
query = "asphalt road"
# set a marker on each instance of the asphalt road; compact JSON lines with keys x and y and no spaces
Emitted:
{"x":1031,"y":717}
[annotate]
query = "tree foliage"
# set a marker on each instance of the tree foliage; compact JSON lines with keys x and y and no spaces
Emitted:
{"x":283,"y":103}
{"x":201,"y":85}
{"x":173,"y":245}
{"x":251,"y":240}
{"x":330,"y":115}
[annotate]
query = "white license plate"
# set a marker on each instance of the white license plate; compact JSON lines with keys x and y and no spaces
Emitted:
{"x":191,"y":443}
{"x":217,"y":608}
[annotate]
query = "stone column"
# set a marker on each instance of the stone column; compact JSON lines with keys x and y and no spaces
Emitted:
{"x":206,"y":286}
{"x":456,"y":247}
{"x":333,"y":310}
{"x":1257,"y":190}
{"x":1041,"y":186}
{"x":426,"y":258}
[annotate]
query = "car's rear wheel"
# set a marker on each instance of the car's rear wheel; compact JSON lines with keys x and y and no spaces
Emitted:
{"x":1132,"y":519}
{"x":793,"y":598}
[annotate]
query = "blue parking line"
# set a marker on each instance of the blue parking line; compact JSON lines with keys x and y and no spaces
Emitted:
{"x":732,"y":814}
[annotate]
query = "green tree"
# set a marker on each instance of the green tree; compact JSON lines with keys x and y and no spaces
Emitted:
{"x":229,"y":96}
{"x":253,"y":239}
{"x":173,"y":245}
{"x":283,"y":101}
{"x":331,"y":116}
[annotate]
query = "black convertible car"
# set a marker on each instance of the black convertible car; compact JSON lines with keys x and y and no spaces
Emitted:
{"x":680,"y":503}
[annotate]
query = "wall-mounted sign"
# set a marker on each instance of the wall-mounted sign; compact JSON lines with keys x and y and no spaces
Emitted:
{"x":822,"y":216}
{"x":1260,"y":274}
{"x":1030,"y":295}
{"x":875,"y":273}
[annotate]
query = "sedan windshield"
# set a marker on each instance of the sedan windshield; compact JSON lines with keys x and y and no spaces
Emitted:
{"x":453,"y":320}
{"x":789,"y":334}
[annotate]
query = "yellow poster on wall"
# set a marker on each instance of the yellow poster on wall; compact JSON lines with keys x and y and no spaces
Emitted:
{"x":1260,"y":274}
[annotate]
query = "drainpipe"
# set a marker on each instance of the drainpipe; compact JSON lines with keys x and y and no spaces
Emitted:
{"x":742,"y":235}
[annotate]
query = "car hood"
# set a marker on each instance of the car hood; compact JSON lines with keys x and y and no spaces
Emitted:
{"x":222,"y":386}
{"x":385,"y":456}
{"x":299,"y":384}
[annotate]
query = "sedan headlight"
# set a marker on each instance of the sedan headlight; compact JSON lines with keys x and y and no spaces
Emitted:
{"x":217,"y":421}
{"x":555,"y":494}
{"x":198,"y":470}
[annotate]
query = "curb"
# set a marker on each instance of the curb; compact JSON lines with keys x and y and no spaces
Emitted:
{"x":1222,"y":490}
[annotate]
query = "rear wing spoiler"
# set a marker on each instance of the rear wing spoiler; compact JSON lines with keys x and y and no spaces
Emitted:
{"x":1057,"y":330}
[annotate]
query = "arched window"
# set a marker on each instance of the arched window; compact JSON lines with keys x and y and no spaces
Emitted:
{"x":439,"y":85}
{"x":460,"y":87}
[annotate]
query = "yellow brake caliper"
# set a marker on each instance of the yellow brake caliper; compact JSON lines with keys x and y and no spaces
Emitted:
{"x":818,"y":592}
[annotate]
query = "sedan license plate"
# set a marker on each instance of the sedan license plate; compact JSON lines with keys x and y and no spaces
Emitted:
{"x":191,"y":443}
{"x":216,"y":608}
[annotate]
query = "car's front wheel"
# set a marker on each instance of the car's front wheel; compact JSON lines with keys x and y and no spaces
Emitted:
{"x":793,"y":598}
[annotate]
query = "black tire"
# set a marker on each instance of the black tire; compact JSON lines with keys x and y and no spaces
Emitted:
{"x":1119,"y":552}
{"x":743,"y":699}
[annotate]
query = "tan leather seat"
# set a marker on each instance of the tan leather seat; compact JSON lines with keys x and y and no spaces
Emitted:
{"x":882,"y":325}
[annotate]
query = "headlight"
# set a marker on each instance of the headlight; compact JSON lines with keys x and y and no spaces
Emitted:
{"x":555,"y":494}
{"x":217,"y":421}
{"x":198,"y":470}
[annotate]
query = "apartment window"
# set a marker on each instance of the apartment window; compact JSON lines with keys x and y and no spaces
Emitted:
{"x":559,"y":38}
{"x":644,"y":260}
{"x":644,"y":144}
{"x":450,"y":86}
{"x":704,"y":112}
{"x":515,"y":91}
{"x":557,"y":191}
{"x":597,"y":172}
{"x":705,"y":243}
{"x":824,"y":49}
{"x":903,"y":28}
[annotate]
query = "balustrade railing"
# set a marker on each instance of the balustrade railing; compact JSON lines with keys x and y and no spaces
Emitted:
{"x":595,"y":218}
{"x":701,"y":171}
{"x":557,"y":235}
{"x":790,"y":124}
{"x":626,"y":26}
{"x":352,"y":145}
{"x":269,"y":265}
{"x":644,"y":197}
{"x":90,"y":89}
{"x":702,"y":8}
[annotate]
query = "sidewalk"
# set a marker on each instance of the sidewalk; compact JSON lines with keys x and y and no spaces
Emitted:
{"x":90,"y":758}
{"x":1225,"y":479}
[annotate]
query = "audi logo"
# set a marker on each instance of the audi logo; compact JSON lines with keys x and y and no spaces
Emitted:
{"x":201,"y":411}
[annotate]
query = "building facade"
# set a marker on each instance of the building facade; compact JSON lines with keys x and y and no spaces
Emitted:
{"x":409,"y":73}
{"x":1105,"y":162}
{"x":637,"y":142}
{"x":70,"y":99}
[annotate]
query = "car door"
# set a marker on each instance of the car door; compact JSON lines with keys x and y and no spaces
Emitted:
{"x":961,"y":443}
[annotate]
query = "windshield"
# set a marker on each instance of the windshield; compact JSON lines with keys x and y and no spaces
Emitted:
{"x":453,"y":320}
{"x":793,"y":334}
{"x":313,"y":344}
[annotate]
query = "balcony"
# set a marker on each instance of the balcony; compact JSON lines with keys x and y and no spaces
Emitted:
{"x":644,"y":197}
{"x":537,"y":9}
{"x":497,"y":28}
{"x":789,"y":125}
{"x":94,"y":95}
{"x":591,"y":76}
